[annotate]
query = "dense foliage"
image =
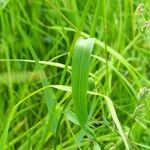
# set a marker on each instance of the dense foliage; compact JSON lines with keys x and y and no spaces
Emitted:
{"x":57,"y":93}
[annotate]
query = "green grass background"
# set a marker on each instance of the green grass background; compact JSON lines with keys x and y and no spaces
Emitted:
{"x":37,"y":40}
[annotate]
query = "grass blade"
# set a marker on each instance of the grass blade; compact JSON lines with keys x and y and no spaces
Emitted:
{"x":80,"y":71}
{"x":116,"y":121}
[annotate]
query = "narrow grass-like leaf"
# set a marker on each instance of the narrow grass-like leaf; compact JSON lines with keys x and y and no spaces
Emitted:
{"x":80,"y":71}
{"x":97,"y":11}
{"x":116,"y":121}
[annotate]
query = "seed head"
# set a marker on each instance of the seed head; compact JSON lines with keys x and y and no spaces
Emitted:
{"x":148,"y":24}
{"x":140,"y":8}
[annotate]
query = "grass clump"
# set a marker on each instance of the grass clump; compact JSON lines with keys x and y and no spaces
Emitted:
{"x":60,"y":91}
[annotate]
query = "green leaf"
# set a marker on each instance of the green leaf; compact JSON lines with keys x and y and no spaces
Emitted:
{"x":80,"y":72}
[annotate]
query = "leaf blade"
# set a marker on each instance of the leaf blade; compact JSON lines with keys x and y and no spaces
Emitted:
{"x":80,"y":70}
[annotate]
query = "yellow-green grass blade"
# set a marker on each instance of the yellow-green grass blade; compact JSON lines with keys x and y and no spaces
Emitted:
{"x":116,"y":121}
{"x":59,"y":65}
{"x":80,"y":72}
{"x":95,"y":19}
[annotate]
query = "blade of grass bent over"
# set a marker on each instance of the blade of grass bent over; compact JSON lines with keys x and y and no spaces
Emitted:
{"x":80,"y":71}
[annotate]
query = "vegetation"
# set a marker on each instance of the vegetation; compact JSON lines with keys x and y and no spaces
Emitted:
{"x":74,"y":74}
